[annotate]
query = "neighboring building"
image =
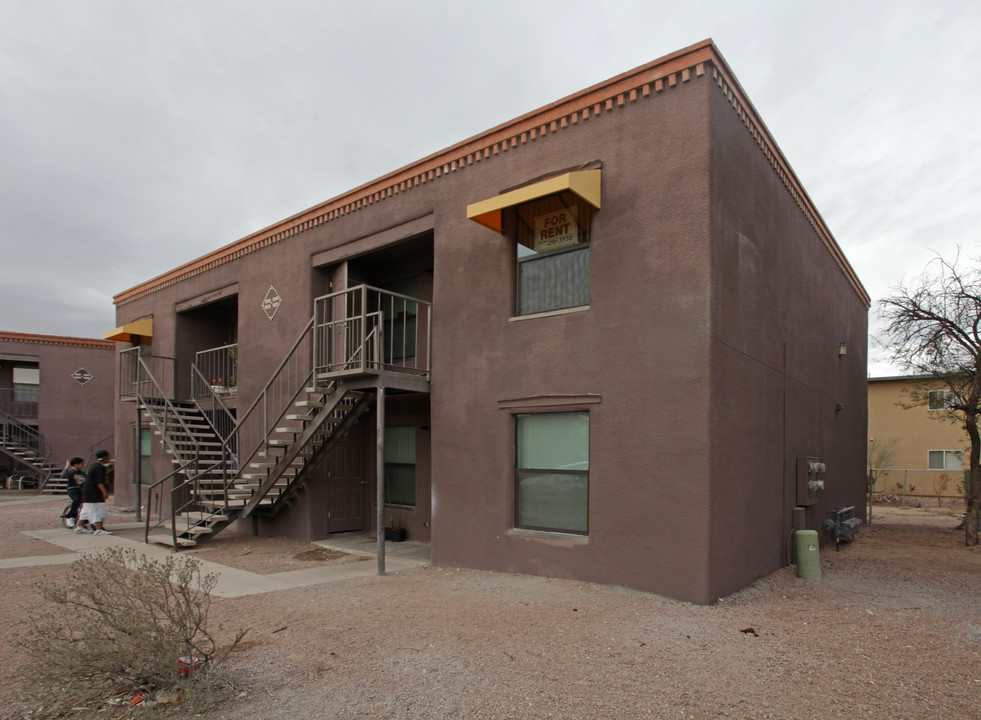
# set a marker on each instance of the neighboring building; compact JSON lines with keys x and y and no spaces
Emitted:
{"x":926,"y":446}
{"x":56,"y":401}
{"x":610,"y":340}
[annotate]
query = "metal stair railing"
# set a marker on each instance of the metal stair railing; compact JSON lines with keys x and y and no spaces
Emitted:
{"x":139,"y":382}
{"x":19,"y":438}
{"x":211,"y":404}
{"x":355,"y":331}
{"x":366,"y":329}
{"x":332,"y":410}
{"x":158,"y":403}
{"x":253,"y":429}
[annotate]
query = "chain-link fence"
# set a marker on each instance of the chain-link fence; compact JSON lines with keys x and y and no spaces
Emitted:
{"x":915,"y":485}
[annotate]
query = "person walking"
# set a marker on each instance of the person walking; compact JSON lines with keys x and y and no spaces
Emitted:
{"x":95,"y":494}
{"x":74,"y":477}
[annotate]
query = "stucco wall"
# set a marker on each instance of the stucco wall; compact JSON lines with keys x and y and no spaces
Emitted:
{"x":707,"y":358}
{"x":71,"y":416}
{"x":640,"y":349}
{"x":912,"y":430}
{"x":780,"y":389}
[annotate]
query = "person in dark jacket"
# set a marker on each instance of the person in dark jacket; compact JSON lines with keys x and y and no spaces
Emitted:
{"x":74,"y":477}
{"x":95,"y":495}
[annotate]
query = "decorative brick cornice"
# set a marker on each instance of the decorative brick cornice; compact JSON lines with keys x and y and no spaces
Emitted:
{"x":91,"y":343}
{"x":587,"y":105}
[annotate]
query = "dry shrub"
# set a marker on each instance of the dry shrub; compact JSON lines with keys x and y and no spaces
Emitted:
{"x":117,"y":623}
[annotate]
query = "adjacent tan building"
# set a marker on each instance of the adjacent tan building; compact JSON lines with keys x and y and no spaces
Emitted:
{"x":915,"y":440}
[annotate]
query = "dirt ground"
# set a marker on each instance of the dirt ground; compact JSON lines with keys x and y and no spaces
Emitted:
{"x":892,"y":630}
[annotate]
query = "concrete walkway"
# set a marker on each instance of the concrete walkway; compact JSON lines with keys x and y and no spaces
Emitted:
{"x":233,"y":582}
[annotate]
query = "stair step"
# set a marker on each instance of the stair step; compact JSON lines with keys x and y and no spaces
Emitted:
{"x":198,"y":530}
{"x":252,"y":486}
{"x":296,"y":462}
{"x":309,"y":403}
{"x":235,"y":503}
{"x":169,"y":541}
{"x":203,"y":517}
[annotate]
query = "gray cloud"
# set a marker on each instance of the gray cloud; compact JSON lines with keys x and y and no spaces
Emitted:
{"x":135,"y":136}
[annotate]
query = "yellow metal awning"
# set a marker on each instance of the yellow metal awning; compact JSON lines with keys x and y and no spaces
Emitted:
{"x":138,"y":331}
{"x":584,"y":183}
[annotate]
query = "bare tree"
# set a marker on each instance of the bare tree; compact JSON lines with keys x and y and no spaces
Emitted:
{"x":935,"y":329}
{"x":881,"y":455}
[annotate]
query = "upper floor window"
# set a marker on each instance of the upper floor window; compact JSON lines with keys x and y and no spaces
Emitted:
{"x":26,"y":383}
{"x":550,"y":223}
{"x":940,"y":399}
{"x":552,"y":253}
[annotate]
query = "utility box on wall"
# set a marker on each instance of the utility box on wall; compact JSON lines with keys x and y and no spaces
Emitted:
{"x":810,"y":480}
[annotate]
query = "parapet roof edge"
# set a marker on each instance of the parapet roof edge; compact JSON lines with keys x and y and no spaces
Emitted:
{"x":96,"y":343}
{"x":607,"y":95}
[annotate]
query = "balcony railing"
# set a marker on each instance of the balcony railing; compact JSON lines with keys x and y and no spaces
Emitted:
{"x":218,"y":367}
{"x":370,"y":330}
{"x":19,"y":408}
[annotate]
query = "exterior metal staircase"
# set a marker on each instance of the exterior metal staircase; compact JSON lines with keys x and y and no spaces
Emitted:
{"x":228,"y":468}
{"x":26,"y":446}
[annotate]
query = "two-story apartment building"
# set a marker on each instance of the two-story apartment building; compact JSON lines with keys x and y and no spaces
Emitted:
{"x":919,"y":448}
{"x":611,"y":339}
{"x":56,"y":402}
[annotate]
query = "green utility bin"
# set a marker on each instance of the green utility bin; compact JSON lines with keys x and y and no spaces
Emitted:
{"x":808,"y":554}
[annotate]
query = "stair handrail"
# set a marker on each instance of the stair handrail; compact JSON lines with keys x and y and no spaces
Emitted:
{"x":272,"y":403}
{"x":146,"y":377}
{"x":368,"y":310}
{"x":174,"y":510}
{"x":93,"y":446}
{"x":26,"y":438}
{"x":169,"y":410}
{"x":223,"y":423}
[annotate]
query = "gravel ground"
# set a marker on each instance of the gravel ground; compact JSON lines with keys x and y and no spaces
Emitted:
{"x":892,"y":630}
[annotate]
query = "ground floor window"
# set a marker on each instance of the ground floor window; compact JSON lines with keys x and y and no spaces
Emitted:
{"x":944,"y":459}
{"x":552,"y":472}
{"x":400,"y":465}
{"x":146,"y":450}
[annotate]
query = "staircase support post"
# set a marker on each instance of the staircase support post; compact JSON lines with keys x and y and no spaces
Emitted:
{"x":380,"y":475}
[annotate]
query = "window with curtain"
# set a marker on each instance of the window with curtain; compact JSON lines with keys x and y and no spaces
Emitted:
{"x":552,"y":473}
{"x":940,"y":399}
{"x":26,"y":384}
{"x":552,"y":241}
{"x":944,"y":459}
{"x":146,"y":449}
{"x":400,"y":466}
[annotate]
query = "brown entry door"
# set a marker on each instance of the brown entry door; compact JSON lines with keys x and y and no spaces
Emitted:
{"x":347,"y":505}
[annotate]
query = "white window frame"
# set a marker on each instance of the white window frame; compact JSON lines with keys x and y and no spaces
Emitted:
{"x":934,"y":395}
{"x":947,"y":461}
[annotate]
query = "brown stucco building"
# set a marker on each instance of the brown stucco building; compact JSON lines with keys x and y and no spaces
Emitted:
{"x":616,"y":343}
{"x":56,"y":401}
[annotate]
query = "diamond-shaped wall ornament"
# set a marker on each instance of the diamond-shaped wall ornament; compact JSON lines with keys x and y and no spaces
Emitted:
{"x":271,"y":302}
{"x":82,"y":376}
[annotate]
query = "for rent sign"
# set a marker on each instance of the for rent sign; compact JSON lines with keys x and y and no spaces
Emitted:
{"x":556,"y":230}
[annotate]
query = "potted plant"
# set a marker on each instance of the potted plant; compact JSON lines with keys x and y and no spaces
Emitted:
{"x":395,"y":532}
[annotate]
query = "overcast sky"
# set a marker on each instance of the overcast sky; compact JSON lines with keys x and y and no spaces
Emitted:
{"x":138,"y":135}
